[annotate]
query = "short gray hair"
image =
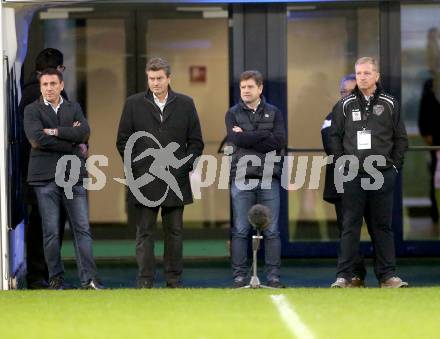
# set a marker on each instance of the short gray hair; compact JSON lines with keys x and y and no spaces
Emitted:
{"x":368,"y":60}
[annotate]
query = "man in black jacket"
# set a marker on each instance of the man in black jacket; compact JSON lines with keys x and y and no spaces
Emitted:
{"x":368,"y":123}
{"x":429,"y":127}
{"x":257,"y":130}
{"x":37,"y":275}
{"x":56,"y":127}
{"x":160,"y":134}
{"x":347,"y":85}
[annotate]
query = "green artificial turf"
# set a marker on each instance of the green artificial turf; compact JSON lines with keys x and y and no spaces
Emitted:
{"x":127,"y":248}
{"x":219,"y":313}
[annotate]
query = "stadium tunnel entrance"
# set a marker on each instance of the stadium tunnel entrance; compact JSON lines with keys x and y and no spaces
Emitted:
{"x":106,"y":45}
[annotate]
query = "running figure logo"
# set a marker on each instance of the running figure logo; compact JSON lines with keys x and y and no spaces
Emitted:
{"x":164,"y":159}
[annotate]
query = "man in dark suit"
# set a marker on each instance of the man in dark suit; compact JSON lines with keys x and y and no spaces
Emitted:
{"x":37,"y":275}
{"x":56,"y":127}
{"x":166,"y":130}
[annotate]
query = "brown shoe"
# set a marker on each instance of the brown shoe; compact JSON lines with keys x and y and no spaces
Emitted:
{"x":357,"y":282}
{"x":394,"y":282}
{"x":341,"y":283}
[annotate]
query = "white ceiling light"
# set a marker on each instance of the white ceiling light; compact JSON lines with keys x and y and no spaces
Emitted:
{"x":63,"y":12}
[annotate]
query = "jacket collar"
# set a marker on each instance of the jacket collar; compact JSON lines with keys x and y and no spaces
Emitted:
{"x":360,"y":95}
{"x":64,"y":103}
{"x":49,"y":110}
{"x":259,"y":108}
{"x":166,"y":112}
{"x":171,"y":95}
{"x":364,"y":104}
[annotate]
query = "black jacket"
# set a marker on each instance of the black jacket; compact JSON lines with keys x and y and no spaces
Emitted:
{"x":330,"y":194}
{"x":263,"y":131}
{"x":382,"y":116}
{"x":30,"y":93}
{"x":429,"y":113}
{"x":47,"y":149}
{"x":180,"y":124}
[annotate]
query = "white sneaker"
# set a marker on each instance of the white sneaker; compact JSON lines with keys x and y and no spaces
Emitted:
{"x":341,"y":283}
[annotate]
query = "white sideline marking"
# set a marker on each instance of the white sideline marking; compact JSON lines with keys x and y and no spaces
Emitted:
{"x":291,"y":318}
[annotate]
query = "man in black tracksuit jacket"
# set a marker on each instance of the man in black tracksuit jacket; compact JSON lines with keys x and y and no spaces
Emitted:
{"x":330,"y":194}
{"x":368,"y":122}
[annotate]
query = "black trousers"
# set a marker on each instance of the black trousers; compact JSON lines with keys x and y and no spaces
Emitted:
{"x":172,"y":220}
{"x":379,"y":205}
{"x":35,"y":263}
{"x":359,"y":269}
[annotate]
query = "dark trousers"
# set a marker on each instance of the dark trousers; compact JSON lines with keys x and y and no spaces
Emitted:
{"x":379,"y":204}
{"x":172,"y":220}
{"x":35,"y":263}
{"x":359,"y":269}
{"x":51,"y":201}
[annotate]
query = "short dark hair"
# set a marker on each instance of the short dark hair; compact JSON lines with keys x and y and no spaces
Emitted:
{"x":48,"y":58}
{"x":51,"y":71}
{"x":157,"y":64}
{"x":252,"y":74}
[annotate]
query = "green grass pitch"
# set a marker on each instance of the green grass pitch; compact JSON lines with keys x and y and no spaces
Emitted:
{"x":221,"y":313}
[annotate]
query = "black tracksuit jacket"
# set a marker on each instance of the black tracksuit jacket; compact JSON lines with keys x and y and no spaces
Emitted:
{"x":381,"y":115}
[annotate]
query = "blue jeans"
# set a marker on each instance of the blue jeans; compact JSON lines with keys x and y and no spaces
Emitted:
{"x":242,"y":201}
{"x":51,"y":200}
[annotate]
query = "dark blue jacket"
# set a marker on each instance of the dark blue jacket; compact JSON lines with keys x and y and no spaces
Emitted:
{"x":263,"y":131}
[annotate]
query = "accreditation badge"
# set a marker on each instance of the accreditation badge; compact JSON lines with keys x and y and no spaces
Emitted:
{"x":364,"y":139}
{"x":356,"y":115}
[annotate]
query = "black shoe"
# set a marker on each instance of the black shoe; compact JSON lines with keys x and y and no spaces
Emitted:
{"x":275,"y":284}
{"x":57,"y":283}
{"x":239,"y":282}
{"x":38,"y":285}
{"x":174,"y":284}
{"x":93,"y":284}
{"x":145,"y":284}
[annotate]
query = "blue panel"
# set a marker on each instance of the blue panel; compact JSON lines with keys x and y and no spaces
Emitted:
{"x":16,"y":245}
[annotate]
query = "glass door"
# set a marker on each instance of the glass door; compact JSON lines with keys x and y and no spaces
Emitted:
{"x":323,"y":43}
{"x":195,"y":42}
